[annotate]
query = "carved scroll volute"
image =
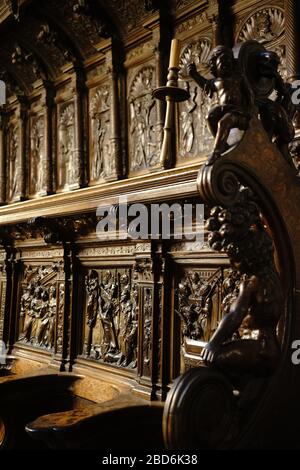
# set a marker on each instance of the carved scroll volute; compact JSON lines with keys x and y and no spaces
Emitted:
{"x":3,"y":124}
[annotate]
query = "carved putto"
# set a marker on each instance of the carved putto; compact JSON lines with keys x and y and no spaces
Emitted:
{"x":143,"y":132}
{"x":246,"y":339}
{"x":111,"y":317}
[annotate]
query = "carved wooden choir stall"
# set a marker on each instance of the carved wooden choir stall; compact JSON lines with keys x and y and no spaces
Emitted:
{"x":146,"y":342}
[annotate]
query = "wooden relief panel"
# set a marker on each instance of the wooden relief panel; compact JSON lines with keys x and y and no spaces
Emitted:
{"x":14,"y":163}
{"x":111,"y":317}
{"x":37,"y":155}
{"x":102,"y":163}
{"x":68,"y":171}
{"x":144,"y":136}
{"x":194,"y":137}
{"x":202,"y":299}
{"x":265,"y":25}
{"x":39,"y":304}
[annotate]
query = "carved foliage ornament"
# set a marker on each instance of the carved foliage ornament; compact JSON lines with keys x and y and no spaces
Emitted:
{"x":266,"y":25}
{"x":144,"y":136}
{"x":14,"y":162}
{"x":102,"y":163}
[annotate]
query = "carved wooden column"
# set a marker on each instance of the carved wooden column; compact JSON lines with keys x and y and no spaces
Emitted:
{"x":110,"y":50}
{"x":21,"y":117}
{"x":6,"y":285}
{"x":148,"y":267}
{"x":2,"y":158}
{"x":79,"y":89}
{"x":214,"y":19}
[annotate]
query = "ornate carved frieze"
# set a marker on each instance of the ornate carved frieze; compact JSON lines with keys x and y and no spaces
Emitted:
{"x":111,"y":317}
{"x":144,"y":135}
{"x":194,"y":137}
{"x":102,"y":162}
{"x":38,"y":305}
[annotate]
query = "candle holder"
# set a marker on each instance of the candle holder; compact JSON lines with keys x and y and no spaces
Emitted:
{"x":171,"y":93}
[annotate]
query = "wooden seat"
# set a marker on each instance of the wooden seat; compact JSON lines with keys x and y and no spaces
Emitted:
{"x":24,"y":397}
{"x":115,"y":424}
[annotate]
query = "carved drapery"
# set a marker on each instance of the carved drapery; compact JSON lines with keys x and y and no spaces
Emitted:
{"x":68,"y":174}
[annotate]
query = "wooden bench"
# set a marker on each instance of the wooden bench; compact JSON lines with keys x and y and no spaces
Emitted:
{"x":25,"y":397}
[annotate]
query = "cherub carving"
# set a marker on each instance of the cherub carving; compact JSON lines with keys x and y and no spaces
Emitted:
{"x":235,"y":98}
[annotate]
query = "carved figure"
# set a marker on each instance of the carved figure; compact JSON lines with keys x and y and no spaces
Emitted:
{"x":239,"y":232}
{"x":235,"y":99}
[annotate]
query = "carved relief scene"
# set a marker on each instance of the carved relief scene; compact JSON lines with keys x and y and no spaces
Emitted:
{"x":37,"y":155}
{"x":68,"y":171}
{"x":202,"y":301}
{"x":38,"y":306}
{"x":14,"y":162}
{"x":101,"y":159}
{"x":111,"y":317}
{"x":194,"y":137}
{"x":144,"y":134}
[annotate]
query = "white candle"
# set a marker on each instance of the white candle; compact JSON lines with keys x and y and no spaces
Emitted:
{"x":174,"y":54}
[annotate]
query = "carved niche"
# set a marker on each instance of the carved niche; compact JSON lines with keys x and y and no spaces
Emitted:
{"x":111,"y":317}
{"x":68,"y":172}
{"x":39,"y":306}
{"x":102,"y":163}
{"x":37,"y":155}
{"x":144,"y":135}
{"x":14,"y":164}
{"x":203,"y":298}
{"x":266,"y":26}
{"x":194,"y":138}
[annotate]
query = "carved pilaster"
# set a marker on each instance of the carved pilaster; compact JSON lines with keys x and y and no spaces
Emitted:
{"x":115,"y":157}
{"x":78,"y":131}
{"x":48,"y":140}
{"x":292,"y":41}
{"x":2,"y":159}
{"x":148,"y":267}
{"x":22,"y":115}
